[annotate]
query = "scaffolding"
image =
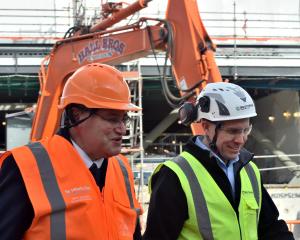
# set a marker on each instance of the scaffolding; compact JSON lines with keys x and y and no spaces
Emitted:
{"x":133,"y":140}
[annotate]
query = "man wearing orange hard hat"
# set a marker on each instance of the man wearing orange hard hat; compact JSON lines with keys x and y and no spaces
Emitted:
{"x":75,"y":185}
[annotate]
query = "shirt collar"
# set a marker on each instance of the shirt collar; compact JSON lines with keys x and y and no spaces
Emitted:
{"x":86,"y":159}
{"x":200,"y":144}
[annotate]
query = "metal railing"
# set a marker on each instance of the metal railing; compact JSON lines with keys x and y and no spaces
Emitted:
{"x":291,"y":224}
{"x":229,"y":24}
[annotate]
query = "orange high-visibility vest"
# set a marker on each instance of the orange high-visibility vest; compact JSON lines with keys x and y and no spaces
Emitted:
{"x":66,"y":200}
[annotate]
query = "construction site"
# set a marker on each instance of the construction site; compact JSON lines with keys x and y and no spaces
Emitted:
{"x":252,"y":44}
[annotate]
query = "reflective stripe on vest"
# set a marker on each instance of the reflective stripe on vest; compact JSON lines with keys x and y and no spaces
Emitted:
{"x":127,"y":185}
{"x":202,"y":215}
{"x":255,"y":186}
{"x":58,"y":206}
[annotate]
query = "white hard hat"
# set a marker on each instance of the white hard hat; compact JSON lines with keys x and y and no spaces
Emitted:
{"x":223,"y":101}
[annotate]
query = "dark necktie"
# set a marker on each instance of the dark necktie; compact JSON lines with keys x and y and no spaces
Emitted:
{"x":96,"y":173}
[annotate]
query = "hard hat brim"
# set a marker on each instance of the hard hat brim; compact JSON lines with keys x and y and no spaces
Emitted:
{"x":96,"y":104}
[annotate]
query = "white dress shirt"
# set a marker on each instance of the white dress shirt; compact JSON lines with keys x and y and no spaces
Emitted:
{"x":86,"y":159}
{"x":227,"y":168}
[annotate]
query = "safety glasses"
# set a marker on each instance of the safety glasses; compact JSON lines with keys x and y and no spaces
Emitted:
{"x":235,"y":132}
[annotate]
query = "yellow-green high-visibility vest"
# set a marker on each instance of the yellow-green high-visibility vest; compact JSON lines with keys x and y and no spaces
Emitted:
{"x":211,"y":216}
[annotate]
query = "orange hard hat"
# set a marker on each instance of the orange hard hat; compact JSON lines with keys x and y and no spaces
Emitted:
{"x":97,"y":85}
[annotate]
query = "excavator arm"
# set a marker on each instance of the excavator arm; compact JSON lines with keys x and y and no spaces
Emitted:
{"x":181,"y":35}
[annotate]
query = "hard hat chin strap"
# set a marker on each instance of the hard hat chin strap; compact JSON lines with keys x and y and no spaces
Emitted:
{"x":80,"y":121}
{"x":68,"y":120}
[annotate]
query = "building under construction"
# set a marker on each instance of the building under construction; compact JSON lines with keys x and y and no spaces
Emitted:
{"x":257,"y":48}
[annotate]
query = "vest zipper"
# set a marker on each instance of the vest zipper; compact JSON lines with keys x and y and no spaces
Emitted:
{"x":102,"y":195}
{"x":241,"y":237}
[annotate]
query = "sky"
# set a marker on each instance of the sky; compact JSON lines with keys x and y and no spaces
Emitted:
{"x":38,"y":18}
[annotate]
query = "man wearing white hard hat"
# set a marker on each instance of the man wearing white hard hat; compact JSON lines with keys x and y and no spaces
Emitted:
{"x":213,"y":190}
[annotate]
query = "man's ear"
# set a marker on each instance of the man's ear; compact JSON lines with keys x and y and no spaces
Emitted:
{"x":205,"y":126}
{"x":75,"y":114}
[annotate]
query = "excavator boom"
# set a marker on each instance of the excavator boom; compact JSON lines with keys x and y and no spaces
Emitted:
{"x":181,"y":35}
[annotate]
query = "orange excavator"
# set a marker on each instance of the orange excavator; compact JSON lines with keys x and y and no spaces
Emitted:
{"x":181,"y":35}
